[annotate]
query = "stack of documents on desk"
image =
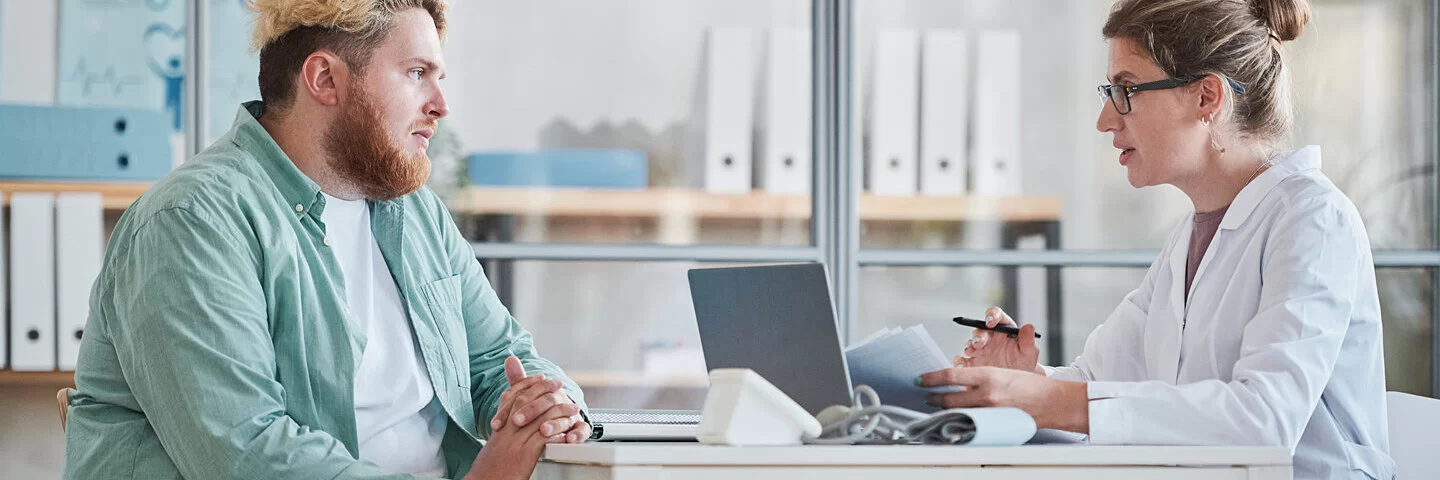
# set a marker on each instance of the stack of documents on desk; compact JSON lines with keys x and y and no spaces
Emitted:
{"x":889,"y":360}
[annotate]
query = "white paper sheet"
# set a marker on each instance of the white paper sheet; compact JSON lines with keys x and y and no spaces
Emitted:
{"x":889,"y":364}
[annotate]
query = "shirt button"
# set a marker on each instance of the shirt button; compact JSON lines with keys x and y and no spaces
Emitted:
{"x":299,"y":207}
{"x":328,"y":242}
{"x":346,"y":310}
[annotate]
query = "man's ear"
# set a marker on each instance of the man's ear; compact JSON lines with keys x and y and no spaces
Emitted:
{"x":321,"y":75}
{"x":1212,"y":96}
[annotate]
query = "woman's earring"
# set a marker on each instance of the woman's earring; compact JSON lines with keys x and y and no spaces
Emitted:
{"x":1213,"y":144}
{"x":1205,"y":121}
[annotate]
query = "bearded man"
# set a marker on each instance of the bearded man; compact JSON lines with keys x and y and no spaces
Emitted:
{"x":293,"y":303}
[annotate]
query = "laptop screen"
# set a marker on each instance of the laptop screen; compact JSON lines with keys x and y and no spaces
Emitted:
{"x":778,"y":321}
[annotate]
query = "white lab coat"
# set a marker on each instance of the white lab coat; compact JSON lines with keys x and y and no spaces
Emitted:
{"x":1278,"y":344}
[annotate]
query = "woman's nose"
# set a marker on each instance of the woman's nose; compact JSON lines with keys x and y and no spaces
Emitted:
{"x":1109,"y":120}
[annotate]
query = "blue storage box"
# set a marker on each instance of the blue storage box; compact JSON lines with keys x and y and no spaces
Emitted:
{"x":600,"y":168}
{"x":70,"y":143}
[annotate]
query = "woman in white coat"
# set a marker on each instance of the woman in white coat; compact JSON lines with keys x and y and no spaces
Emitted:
{"x":1259,"y":323}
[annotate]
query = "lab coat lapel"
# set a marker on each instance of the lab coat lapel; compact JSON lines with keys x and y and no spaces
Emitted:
{"x":1163,"y":331}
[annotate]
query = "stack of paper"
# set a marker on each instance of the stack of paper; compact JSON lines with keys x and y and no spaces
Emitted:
{"x":890,"y":360}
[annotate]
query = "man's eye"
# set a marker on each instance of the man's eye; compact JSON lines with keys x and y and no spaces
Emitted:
{"x":416,"y":74}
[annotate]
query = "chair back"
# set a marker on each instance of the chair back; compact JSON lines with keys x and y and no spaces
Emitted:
{"x":1413,"y":423}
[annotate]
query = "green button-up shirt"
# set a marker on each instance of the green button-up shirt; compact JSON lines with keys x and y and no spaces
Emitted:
{"x":218,"y":345}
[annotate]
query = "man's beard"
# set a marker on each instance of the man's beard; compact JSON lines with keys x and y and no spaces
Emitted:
{"x":362,"y":154}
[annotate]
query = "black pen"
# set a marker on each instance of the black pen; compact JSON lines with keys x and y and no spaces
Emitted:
{"x":980,"y":324}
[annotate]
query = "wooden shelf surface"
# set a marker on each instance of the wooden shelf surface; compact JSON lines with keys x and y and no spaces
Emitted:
{"x":10,"y":378}
{"x":115,"y":196}
{"x":691,"y":203}
{"x":660,"y":203}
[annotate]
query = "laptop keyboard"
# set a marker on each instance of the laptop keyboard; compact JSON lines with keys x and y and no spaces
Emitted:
{"x":645,"y":417}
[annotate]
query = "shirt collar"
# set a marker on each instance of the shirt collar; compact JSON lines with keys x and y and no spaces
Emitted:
{"x":1284,"y":165}
{"x":300,"y":192}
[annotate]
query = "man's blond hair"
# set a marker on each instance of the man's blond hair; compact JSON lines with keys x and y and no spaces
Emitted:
{"x":363,"y":18}
{"x":289,"y":31}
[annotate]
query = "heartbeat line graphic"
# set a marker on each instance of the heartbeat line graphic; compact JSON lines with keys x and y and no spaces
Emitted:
{"x":106,"y":78}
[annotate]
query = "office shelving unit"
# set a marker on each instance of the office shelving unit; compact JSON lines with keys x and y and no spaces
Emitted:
{"x":599,"y":204}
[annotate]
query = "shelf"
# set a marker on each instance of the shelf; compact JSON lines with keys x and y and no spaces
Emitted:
{"x":10,"y":378}
{"x":115,"y":196}
{"x":691,"y":203}
{"x":660,"y":202}
{"x":597,"y":379}
{"x":967,"y":208}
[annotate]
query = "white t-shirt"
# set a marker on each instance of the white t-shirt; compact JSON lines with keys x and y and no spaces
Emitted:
{"x":399,"y":420}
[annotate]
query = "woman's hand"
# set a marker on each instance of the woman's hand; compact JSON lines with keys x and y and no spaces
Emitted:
{"x":994,"y":349}
{"x":1052,"y":403}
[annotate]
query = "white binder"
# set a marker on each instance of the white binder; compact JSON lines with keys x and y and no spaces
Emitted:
{"x":944,"y":89}
{"x":729,"y":107}
{"x":32,"y":282}
{"x":785,"y":167}
{"x":996,"y":163}
{"x":80,"y":246}
{"x":891,"y":167}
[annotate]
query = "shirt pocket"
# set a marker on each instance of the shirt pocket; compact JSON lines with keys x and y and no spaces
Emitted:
{"x":442,"y":299}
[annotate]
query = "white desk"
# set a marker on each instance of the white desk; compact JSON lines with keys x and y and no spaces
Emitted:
{"x":657,"y":461}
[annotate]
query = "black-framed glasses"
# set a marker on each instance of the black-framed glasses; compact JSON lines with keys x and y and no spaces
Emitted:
{"x":1119,"y":95}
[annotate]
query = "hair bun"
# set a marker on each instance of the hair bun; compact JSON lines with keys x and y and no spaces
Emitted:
{"x":1286,"y":18}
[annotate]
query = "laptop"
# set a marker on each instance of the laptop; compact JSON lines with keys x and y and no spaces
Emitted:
{"x":612,"y":424}
{"x":776,"y":320}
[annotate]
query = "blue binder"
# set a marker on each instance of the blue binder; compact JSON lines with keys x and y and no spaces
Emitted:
{"x":70,"y":143}
{"x":600,"y":168}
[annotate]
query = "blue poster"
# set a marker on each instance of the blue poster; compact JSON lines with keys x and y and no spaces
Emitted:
{"x":123,"y":53}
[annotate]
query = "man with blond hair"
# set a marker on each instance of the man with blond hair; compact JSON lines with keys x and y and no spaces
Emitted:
{"x":292,"y":303}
